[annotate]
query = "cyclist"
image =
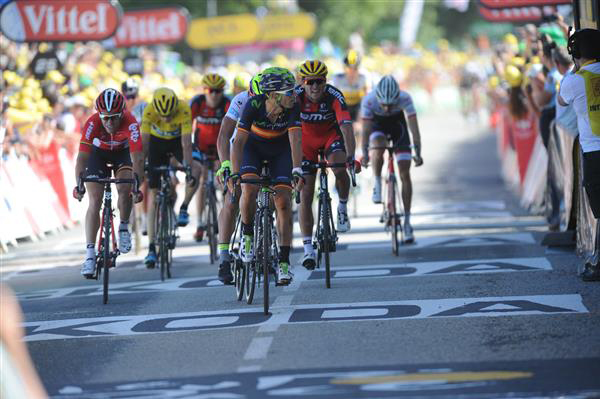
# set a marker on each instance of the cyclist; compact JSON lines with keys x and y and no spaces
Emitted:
{"x":240,"y":83}
{"x":384,"y":112}
{"x":229,"y":210}
{"x":208,"y":110}
{"x":130,"y":89}
{"x":326,"y":125}
{"x":352,"y":83}
{"x":110,"y":136}
{"x":166,"y":130}
{"x":269,"y":129}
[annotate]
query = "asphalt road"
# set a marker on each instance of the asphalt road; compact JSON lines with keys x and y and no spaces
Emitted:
{"x":476,"y":308}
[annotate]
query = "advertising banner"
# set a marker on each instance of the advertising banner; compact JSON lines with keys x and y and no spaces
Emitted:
{"x":59,"y":20}
{"x":516,"y":14}
{"x":521,"y":3}
{"x":152,"y":26}
{"x":284,"y":27}
{"x":205,"y":33}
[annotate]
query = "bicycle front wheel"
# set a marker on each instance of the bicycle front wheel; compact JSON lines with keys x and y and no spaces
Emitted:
{"x":212,"y":228}
{"x":327,"y":238}
{"x":163,"y":230}
{"x":393,"y":215}
{"x":240,"y":278}
{"x":106,"y":253}
{"x":251,"y":273}
{"x":266,"y":258}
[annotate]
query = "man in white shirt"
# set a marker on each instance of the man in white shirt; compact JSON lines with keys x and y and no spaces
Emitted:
{"x":582,"y":89}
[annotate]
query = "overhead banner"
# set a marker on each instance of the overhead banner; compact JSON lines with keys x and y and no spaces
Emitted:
{"x":152,"y":26}
{"x":205,"y":33}
{"x":516,"y":14}
{"x":521,"y":3}
{"x":59,"y":20}
{"x":284,"y":27}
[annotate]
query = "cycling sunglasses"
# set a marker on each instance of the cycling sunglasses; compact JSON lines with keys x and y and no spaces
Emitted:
{"x":317,"y":82}
{"x":215,"y":91}
{"x":110,"y":117}
{"x":287,"y":93}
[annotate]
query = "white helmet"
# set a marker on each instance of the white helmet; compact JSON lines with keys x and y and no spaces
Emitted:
{"x":387,"y":90}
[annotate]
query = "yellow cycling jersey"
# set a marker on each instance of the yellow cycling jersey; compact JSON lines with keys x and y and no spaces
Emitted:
{"x":353,"y":92}
{"x":592,"y":95}
{"x":180,"y":123}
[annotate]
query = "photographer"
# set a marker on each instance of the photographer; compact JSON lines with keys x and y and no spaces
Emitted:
{"x":582,"y":89}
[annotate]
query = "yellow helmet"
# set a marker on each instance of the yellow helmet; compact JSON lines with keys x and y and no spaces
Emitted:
{"x":313,"y":68}
{"x":513,"y":76}
{"x":352,"y":58}
{"x":213,"y":81}
{"x":164,"y":101}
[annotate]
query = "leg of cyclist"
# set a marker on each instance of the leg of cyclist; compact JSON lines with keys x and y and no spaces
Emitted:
{"x":404,"y":160}
{"x":342,"y":184}
{"x":248,"y":210}
{"x":184,"y":217}
{"x":283,"y":206}
{"x":226,"y":226}
{"x":125,"y":203}
{"x":92,"y":224}
{"x":378,"y":141}
{"x":306,"y":219}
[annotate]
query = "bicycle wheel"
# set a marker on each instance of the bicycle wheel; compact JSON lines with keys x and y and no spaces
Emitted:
{"x":266,"y":258}
{"x":170,"y":239}
{"x":326,"y":237}
{"x":212,"y":228}
{"x":106,"y":253}
{"x":393,"y":215}
{"x":240,"y":278}
{"x":162,"y":238}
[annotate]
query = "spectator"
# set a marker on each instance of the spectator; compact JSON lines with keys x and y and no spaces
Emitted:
{"x":582,"y":89}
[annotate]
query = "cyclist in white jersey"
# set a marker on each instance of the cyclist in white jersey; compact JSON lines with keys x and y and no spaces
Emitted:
{"x":229,"y":210}
{"x":384,"y":112}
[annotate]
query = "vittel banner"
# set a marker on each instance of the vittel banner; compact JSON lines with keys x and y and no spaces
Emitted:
{"x":152,"y":26}
{"x":59,"y":20}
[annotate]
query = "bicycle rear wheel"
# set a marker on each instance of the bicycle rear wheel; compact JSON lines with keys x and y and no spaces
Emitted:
{"x":393,"y":215}
{"x":251,"y":273}
{"x":240,"y":278}
{"x":106,"y":253}
{"x":163,"y":229}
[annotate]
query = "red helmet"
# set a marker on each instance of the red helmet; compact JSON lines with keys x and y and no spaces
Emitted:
{"x":110,"y":101}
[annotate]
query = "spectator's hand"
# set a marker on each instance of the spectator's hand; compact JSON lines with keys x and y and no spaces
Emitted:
{"x":418,"y":160}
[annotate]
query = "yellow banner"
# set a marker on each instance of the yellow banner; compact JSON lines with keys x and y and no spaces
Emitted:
{"x":283,"y":27}
{"x":224,"y":31}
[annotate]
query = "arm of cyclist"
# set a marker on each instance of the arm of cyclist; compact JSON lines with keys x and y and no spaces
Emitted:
{"x":366,"y":132}
{"x":295,"y":137}
{"x":236,"y":157}
{"x":223,"y":147}
{"x":413,"y":125}
{"x":80,"y":164}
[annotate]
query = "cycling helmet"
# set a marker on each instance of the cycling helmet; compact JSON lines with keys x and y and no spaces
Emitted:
{"x":164,"y":101}
{"x":213,"y":81}
{"x":352,"y":58}
{"x":254,"y":85}
{"x":276,"y":79}
{"x":130,"y":88}
{"x":313,"y":69}
{"x":387,"y":90}
{"x":110,"y":101}
{"x":241,"y":80}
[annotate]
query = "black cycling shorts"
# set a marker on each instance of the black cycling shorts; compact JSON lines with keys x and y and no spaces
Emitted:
{"x":397,"y":132}
{"x":159,"y":153}
{"x":99,"y":160}
{"x":276,"y":151}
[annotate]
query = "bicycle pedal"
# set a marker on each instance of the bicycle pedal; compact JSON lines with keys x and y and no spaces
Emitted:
{"x":90,"y":276}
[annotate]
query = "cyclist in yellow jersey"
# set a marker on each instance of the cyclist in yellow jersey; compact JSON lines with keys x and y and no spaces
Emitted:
{"x":582,"y":89}
{"x":167,"y":130}
{"x":351,"y":83}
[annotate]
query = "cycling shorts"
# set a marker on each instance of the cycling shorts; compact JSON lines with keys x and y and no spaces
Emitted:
{"x":159,"y":151}
{"x":399,"y":136}
{"x":329,"y":143}
{"x":277,"y":151}
{"x":99,"y":160}
{"x":203,"y":155}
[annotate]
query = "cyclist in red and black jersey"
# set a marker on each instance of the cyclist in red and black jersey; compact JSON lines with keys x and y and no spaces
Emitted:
{"x":110,"y":136}
{"x":327,"y":126}
{"x":208,"y":111}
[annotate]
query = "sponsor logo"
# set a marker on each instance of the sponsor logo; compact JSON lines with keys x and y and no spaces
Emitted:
{"x":155,"y":26}
{"x":336,"y":94}
{"x":88,"y":132}
{"x":135,"y":132}
{"x":59,"y":20}
{"x":208,"y":121}
{"x":306,"y":116}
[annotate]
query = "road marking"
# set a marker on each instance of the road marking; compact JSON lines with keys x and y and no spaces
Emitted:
{"x":258,"y":348}
{"x":249,"y":369}
{"x":294,"y":314}
{"x":445,"y":377}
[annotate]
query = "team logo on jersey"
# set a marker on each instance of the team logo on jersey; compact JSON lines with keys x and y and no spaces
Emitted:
{"x":255,"y":103}
{"x":88,"y":132}
{"x":135,"y":133}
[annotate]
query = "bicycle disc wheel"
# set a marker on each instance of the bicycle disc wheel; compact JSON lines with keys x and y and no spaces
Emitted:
{"x":266,"y":259}
{"x":106,"y":254}
{"x":240,"y":278}
{"x":326,"y":244}
{"x":393,"y":215}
